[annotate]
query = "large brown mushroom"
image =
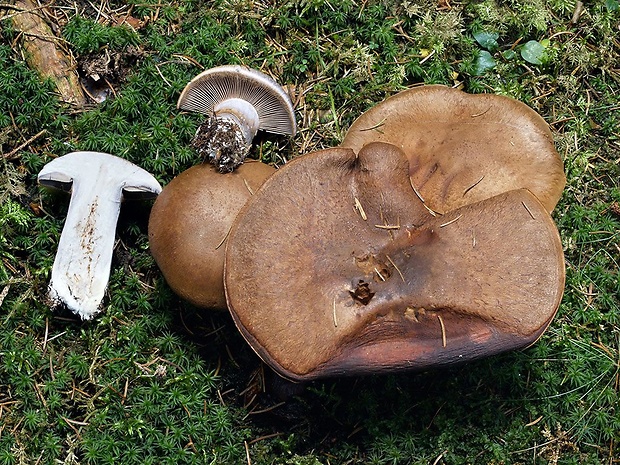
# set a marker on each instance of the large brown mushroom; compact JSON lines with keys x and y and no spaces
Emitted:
{"x":336,"y":267}
{"x":463,"y":148}
{"x":189,"y":224}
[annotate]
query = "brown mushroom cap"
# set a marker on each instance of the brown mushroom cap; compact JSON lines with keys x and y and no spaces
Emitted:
{"x":189,"y":223}
{"x":463,"y":148}
{"x":336,"y":267}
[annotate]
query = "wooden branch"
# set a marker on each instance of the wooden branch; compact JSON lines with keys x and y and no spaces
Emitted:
{"x":43,"y":54}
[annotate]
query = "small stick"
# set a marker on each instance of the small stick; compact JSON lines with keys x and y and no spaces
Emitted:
{"x":47,"y":327}
{"x":528,"y":210}
{"x":21,"y":146}
{"x":334,"y":314}
{"x":443,"y":331}
{"x":268,"y":409}
{"x":395,"y":267}
{"x":247,"y":185}
{"x":379,"y":274}
{"x":360,"y":209}
{"x":188,"y":58}
{"x":162,"y":76}
{"x":4,"y":293}
{"x":75,"y":422}
{"x":481,"y":113}
{"x":247,"y":452}
{"x":262,"y":438}
{"x":415,"y":190}
{"x":57,"y":336}
{"x":451,"y":221}
{"x":223,"y":239}
{"x":440,"y":457}
{"x":376,"y":126}
{"x":417,"y":193}
{"x":431,"y":211}
{"x":427,"y":57}
{"x":577,"y":12}
{"x":473,"y":185}
{"x":387,"y":226}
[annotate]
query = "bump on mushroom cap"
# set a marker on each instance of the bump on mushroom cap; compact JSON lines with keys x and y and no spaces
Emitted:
{"x":271,"y":102}
{"x":463,"y":147}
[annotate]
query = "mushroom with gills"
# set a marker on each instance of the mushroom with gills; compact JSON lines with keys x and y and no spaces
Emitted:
{"x":98,"y":182}
{"x":239,"y":101}
{"x":463,"y":148}
{"x":336,"y":267}
{"x":189,"y":223}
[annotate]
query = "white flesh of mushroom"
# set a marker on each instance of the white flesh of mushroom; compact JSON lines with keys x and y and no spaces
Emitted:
{"x":82,"y":265}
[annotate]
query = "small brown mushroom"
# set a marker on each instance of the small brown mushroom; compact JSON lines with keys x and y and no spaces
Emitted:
{"x":239,"y":101}
{"x":463,"y":148}
{"x":336,"y":267}
{"x":189,"y":224}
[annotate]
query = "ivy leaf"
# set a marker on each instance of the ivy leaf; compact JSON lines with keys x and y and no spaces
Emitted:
{"x":484,"y":62}
{"x":533,"y":52}
{"x":487,"y":40}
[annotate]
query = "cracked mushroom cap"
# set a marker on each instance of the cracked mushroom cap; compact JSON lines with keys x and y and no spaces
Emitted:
{"x":208,"y":92}
{"x":336,"y":267}
{"x":189,"y":223}
{"x":463,"y":148}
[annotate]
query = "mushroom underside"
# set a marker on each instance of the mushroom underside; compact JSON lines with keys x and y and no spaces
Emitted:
{"x":348,"y":272}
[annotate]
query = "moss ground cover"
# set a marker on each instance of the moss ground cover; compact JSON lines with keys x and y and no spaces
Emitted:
{"x":152,"y":380}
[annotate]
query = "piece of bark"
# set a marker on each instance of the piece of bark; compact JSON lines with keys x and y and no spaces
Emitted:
{"x":43,"y":54}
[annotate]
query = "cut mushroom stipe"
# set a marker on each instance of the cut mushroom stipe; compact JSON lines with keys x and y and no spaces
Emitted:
{"x":319,"y":289}
{"x":239,"y":101}
{"x":97,"y":182}
{"x":189,"y":224}
{"x":463,"y":148}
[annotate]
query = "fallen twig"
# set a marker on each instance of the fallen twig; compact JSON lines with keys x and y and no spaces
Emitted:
{"x":21,"y":146}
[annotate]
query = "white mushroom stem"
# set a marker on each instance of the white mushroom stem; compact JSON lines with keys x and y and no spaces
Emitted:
{"x":242,"y":113}
{"x":82,"y":265}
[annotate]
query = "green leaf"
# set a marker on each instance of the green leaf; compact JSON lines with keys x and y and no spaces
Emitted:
{"x":533,"y":52}
{"x":612,"y":5}
{"x":484,"y":62}
{"x":509,"y":54}
{"x":487,"y":40}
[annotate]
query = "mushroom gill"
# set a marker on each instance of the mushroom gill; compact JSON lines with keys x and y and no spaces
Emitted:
{"x":238,"y":102}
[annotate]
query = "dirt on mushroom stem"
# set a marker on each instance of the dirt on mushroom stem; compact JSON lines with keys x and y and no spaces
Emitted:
{"x":221,"y":142}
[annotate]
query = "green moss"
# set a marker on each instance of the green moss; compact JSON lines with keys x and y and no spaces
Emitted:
{"x":152,"y":380}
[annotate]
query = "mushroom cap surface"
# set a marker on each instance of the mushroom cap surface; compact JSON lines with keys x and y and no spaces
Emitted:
{"x":216,"y":85}
{"x":189,"y":223}
{"x":463,"y":148}
{"x":336,"y":267}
